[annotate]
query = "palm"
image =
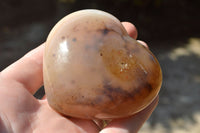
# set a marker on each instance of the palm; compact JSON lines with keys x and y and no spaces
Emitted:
{"x":24,"y":113}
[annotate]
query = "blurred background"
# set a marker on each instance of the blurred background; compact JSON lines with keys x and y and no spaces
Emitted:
{"x":170,"y":27}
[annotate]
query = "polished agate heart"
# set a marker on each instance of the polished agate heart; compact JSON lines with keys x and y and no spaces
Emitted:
{"x":94,"y":70}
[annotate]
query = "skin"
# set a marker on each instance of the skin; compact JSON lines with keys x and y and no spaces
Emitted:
{"x":21,"y":112}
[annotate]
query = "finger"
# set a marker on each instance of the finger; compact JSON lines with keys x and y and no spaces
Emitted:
{"x":88,"y":125}
{"x":143,"y":43}
{"x":27,"y":70}
{"x":131,"y":124}
{"x":131,"y":29}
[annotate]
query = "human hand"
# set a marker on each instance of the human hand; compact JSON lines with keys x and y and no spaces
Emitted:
{"x":21,"y":112}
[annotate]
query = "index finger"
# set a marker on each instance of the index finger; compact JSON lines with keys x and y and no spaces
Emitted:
{"x":131,"y":29}
{"x":27,"y":70}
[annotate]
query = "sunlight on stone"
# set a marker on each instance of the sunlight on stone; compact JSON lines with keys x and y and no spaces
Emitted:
{"x":191,"y":48}
{"x":188,"y":127}
{"x":194,"y":46}
{"x":180,"y":125}
{"x":197,"y":78}
{"x":158,"y":128}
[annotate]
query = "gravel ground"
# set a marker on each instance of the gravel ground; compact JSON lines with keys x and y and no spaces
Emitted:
{"x":178,"y":110}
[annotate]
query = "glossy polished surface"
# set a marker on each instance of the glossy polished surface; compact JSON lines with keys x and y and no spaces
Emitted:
{"x":93,"y":69}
